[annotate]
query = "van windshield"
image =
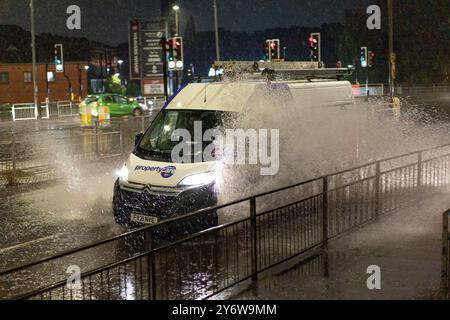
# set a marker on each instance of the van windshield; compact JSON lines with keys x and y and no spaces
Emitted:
{"x":157,"y":144}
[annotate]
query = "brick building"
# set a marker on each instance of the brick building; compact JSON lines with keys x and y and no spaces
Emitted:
{"x":16,"y":82}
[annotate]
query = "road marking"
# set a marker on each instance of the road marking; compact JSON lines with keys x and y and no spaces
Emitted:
{"x":20,"y":245}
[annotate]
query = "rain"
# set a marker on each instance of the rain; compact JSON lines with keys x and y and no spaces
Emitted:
{"x":94,"y":205}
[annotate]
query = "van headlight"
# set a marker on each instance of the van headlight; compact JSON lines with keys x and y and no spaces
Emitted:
{"x":123,"y":173}
{"x":198,"y":179}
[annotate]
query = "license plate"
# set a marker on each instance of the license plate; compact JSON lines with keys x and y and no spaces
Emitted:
{"x":140,"y":218}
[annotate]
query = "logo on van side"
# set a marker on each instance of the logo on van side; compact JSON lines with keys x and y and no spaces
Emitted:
{"x":166,"y":172}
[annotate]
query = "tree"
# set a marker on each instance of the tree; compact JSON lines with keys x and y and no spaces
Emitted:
{"x":114,"y":85}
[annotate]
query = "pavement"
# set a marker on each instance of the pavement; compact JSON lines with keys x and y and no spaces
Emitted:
{"x":405,"y":244}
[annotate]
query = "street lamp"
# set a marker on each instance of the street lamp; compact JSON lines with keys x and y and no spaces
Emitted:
{"x":33,"y":57}
{"x":176,"y":8}
{"x":120,"y":62}
{"x":216,"y":30}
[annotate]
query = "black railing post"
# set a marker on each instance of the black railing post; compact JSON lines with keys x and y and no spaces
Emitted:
{"x":377,"y":188}
{"x":254,"y":236}
{"x":325,"y":212}
{"x":445,"y":256}
{"x":151,"y":265}
{"x":419,"y":171}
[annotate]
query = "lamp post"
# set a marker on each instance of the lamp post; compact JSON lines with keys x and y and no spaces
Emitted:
{"x":391,"y":50}
{"x":33,"y":54}
{"x":88,"y":87}
{"x":176,"y":8}
{"x":120,"y":62}
{"x":216,"y":28}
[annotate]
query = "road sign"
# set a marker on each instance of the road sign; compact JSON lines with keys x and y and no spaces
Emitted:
{"x":135,"y":50}
{"x":153,"y":87}
{"x":152,"y":35}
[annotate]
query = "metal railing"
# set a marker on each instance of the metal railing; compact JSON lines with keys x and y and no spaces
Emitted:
{"x":51,"y":109}
{"x":176,"y":259}
{"x":24,"y":111}
{"x":445,"y":271}
{"x":418,"y":90}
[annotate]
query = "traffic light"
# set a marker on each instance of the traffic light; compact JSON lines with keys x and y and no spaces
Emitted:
{"x":363,"y":57}
{"x":314,"y":41}
{"x":272,"y":49}
{"x":267,"y":50}
{"x":177,"y":47}
{"x":370,"y":57}
{"x":59,"y":58}
{"x":174,"y":53}
{"x":169,"y":54}
{"x":275,"y":49}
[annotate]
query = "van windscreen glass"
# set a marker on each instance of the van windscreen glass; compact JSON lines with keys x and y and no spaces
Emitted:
{"x":159,"y":140}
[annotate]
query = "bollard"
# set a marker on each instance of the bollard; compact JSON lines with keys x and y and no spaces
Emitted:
{"x":86,"y":116}
{"x":104,"y":116}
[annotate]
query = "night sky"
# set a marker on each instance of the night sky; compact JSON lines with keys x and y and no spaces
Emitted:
{"x":107,"y":20}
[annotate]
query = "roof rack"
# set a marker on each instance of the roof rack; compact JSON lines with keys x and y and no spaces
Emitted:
{"x":271,"y":71}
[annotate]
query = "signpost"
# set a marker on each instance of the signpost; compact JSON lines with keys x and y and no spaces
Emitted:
{"x":152,"y":36}
{"x":147,"y":57}
{"x":135,"y":50}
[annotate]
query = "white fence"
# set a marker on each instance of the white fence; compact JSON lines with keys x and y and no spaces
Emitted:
{"x":28,"y":111}
{"x":24,"y":111}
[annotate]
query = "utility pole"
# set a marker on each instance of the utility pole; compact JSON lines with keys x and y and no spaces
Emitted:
{"x":33,"y":54}
{"x":216,"y":27}
{"x":391,"y":57}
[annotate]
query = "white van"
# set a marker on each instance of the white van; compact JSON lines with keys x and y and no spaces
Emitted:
{"x":152,"y":187}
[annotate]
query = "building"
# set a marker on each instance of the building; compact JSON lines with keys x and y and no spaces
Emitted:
{"x":16,"y":82}
{"x":103,"y":64}
{"x":88,"y":65}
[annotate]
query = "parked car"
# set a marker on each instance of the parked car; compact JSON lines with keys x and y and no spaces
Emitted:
{"x":118,"y":105}
{"x":146,"y":104}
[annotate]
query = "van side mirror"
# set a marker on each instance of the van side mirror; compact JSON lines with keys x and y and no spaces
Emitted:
{"x":138,"y":139}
